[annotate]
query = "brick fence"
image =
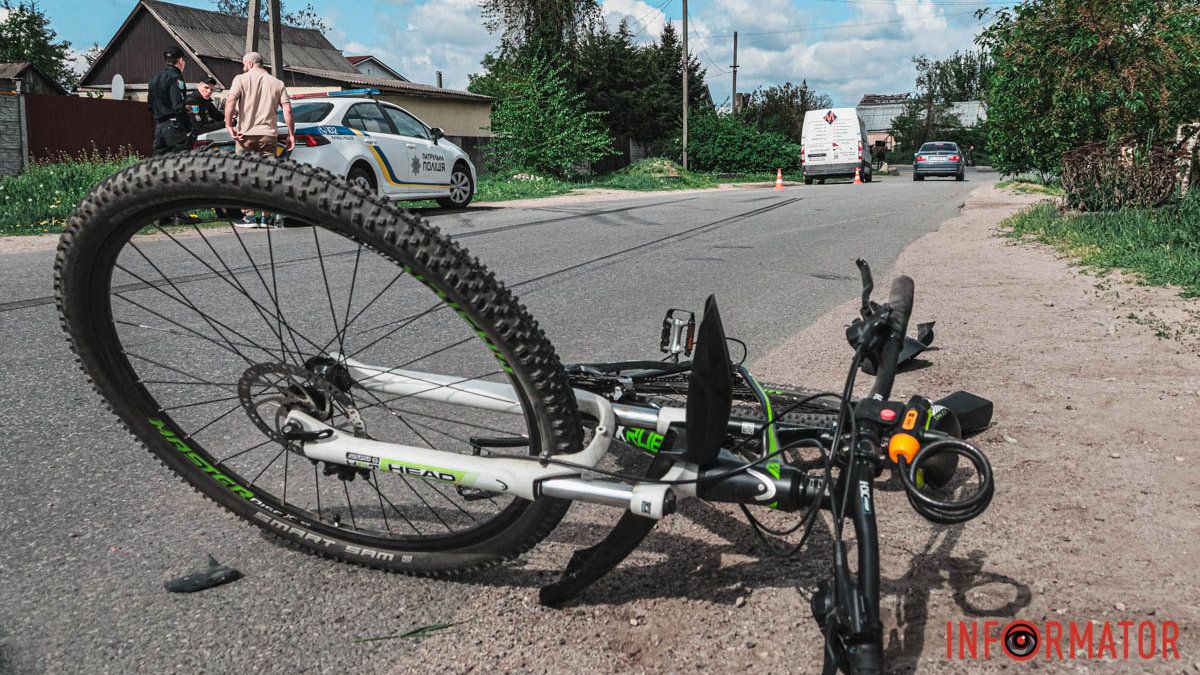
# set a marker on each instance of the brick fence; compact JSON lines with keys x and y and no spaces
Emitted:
{"x":12,"y":135}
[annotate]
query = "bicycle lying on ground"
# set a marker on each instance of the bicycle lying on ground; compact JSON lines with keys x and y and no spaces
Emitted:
{"x":367,"y":391}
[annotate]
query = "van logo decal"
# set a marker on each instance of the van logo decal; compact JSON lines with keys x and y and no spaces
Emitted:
{"x":830,"y":118}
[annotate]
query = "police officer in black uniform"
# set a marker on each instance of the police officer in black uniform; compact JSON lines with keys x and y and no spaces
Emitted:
{"x":202,"y":114}
{"x":172,"y":128}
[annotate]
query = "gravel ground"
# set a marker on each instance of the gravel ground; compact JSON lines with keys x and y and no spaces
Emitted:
{"x":1094,"y":519}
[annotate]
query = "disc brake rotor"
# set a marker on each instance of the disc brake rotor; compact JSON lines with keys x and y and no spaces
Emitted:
{"x":269,"y":391}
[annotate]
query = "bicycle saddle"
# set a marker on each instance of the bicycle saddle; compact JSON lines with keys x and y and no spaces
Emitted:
{"x":710,"y":389}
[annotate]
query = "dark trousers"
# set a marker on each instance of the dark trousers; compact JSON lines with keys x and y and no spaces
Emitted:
{"x":170,"y":137}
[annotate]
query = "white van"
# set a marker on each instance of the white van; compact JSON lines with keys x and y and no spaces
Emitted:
{"x":833,"y":145}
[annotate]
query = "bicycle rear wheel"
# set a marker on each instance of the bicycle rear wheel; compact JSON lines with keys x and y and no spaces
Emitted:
{"x":200,"y":340}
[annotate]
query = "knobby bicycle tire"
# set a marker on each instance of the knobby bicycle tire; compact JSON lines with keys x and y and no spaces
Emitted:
{"x":109,"y":217}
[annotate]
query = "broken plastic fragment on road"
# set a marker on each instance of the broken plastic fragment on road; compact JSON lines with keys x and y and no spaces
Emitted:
{"x":215,"y":574}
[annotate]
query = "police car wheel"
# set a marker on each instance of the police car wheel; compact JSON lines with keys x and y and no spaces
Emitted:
{"x":462,"y":189}
{"x":360,"y":177}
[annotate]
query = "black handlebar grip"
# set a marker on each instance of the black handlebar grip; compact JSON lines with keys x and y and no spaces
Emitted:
{"x":900,"y":303}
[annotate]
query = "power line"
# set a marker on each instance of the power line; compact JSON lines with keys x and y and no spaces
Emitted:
{"x":640,"y":19}
{"x":816,"y":28}
{"x":935,"y":3}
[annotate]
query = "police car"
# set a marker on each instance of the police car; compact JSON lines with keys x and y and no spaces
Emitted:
{"x":375,"y":144}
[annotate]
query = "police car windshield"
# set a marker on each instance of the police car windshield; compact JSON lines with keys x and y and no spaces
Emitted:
{"x":307,"y":112}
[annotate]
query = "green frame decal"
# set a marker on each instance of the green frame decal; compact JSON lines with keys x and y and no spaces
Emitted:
{"x":201,"y":463}
{"x":650,"y":441}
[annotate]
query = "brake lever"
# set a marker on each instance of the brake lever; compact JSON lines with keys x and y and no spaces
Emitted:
{"x":864,"y":270}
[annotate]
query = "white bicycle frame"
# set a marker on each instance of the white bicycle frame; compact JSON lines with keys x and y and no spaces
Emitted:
{"x":526,"y":478}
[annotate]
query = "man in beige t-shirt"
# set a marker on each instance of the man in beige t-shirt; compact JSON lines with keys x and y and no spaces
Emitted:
{"x":254,"y":97}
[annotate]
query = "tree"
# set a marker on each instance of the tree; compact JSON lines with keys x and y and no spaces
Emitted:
{"x":928,"y":115}
{"x":549,"y":26}
{"x":637,"y":89}
{"x":26,"y":35}
{"x":305,"y":17}
{"x":728,"y":143}
{"x":540,"y":125}
{"x":663,"y":96}
{"x":92,"y":53}
{"x":781,"y":108}
{"x":1068,"y":72}
{"x":611,"y":73}
{"x":962,"y":76}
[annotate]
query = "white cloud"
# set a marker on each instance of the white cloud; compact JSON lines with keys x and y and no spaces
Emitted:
{"x":779,"y":41}
{"x":75,"y":60}
{"x":445,"y":35}
{"x":645,"y":20}
{"x":871,"y":52}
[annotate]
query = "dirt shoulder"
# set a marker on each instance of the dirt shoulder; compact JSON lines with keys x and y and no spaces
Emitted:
{"x":1095,"y":514}
{"x":1094,"y":518}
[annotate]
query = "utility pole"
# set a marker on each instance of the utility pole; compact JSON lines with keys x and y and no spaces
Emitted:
{"x":733,"y":101}
{"x":685,"y":84}
{"x":275,"y":29}
{"x":252,"y":26}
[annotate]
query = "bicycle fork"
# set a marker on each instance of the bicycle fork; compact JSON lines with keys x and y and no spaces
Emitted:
{"x":848,"y":611}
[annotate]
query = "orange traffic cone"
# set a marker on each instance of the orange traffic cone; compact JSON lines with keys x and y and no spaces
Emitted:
{"x":857,"y":175}
{"x":778,"y":179}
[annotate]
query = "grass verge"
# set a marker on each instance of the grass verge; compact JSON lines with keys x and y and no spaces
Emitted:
{"x":1028,"y":187}
{"x":1161,"y":245}
{"x":39,"y":199}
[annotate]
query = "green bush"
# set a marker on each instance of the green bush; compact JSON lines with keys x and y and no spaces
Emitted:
{"x":728,"y":144}
{"x":39,"y":199}
{"x":1162,"y":245}
{"x":654,"y":173}
{"x":499,"y":188}
{"x":540,"y":125}
{"x":1069,"y":72}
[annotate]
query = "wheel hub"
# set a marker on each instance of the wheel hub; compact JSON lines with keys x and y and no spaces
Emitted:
{"x":269,"y":391}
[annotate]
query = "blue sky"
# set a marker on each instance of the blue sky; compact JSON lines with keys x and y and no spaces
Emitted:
{"x":842,"y":47}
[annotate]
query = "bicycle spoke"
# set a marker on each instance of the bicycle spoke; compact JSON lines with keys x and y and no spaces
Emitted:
{"x":269,"y":464}
{"x":188,"y":305}
{"x":337,"y":332}
{"x":233,"y":277}
{"x":350,"y":299}
{"x":349,"y":506}
{"x":211,"y":422}
{"x":198,"y":403}
{"x":430,"y":483}
{"x":274,"y":299}
{"x":365,"y":308}
{"x":239,"y":454}
{"x":199,"y":380}
{"x":382,"y":509}
{"x":394,"y":508}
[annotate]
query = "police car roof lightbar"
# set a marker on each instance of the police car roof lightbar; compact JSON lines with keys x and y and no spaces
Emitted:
{"x":330,"y":94}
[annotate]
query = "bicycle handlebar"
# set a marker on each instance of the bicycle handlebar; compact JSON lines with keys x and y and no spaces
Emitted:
{"x":900,"y":303}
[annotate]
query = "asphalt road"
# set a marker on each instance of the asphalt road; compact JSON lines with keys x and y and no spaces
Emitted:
{"x":91,"y":526}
